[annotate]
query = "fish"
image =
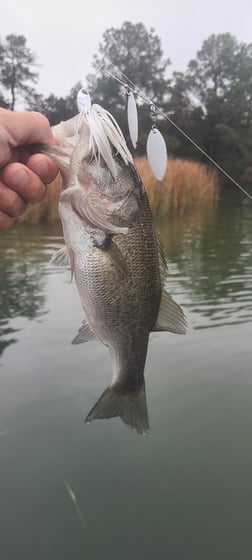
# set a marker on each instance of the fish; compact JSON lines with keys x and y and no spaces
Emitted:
{"x":116,"y":258}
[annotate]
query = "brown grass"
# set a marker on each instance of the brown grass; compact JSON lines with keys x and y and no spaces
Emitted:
{"x":187,"y":183}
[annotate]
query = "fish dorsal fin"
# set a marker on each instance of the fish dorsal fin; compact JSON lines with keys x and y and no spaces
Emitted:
{"x":84,"y":334}
{"x":64,"y":257}
{"x":170,"y":316}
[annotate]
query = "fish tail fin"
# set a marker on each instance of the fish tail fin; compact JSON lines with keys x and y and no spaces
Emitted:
{"x":127,"y":403}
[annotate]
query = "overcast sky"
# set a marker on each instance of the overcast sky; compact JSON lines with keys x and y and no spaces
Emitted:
{"x":66,"y":35}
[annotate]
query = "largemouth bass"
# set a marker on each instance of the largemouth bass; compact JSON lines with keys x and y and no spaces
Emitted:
{"x":116,"y":259}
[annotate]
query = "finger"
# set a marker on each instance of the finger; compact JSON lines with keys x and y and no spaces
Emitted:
{"x":24,"y":181}
{"x":10,"y":201}
{"x":43,"y":166}
{"x":5,"y":220}
{"x":23,"y":128}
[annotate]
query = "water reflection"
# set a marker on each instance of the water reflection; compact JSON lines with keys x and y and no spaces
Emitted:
{"x":209,"y":259}
{"x":210,"y":254}
{"x":192,"y":470}
{"x":24,"y":252}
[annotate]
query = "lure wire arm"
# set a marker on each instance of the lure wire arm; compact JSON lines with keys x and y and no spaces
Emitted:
{"x":131,"y":87}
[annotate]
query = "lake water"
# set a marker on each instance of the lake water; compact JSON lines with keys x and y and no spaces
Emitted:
{"x":183,"y":491}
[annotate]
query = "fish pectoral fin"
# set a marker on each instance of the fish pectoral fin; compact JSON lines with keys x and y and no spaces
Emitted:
{"x":84,"y":334}
{"x":110,"y":249}
{"x":129,"y":404}
{"x":64,"y":257}
{"x":170,"y":316}
{"x":61,"y":258}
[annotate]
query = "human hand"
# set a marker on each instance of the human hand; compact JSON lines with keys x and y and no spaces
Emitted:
{"x":23,"y":177}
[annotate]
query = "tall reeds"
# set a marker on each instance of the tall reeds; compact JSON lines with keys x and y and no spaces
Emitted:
{"x":186,"y":183}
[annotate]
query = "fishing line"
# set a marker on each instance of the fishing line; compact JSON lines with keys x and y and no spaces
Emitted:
{"x":204,"y":153}
{"x":131,"y":87}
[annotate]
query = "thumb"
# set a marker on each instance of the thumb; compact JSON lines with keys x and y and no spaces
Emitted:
{"x":20,"y":129}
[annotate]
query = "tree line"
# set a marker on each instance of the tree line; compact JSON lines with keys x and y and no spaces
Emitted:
{"x":211,"y":101}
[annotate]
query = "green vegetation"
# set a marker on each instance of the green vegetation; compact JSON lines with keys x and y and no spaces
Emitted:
{"x":138,"y":54}
{"x":16,"y":71}
{"x":186,"y":183}
{"x":211,"y":101}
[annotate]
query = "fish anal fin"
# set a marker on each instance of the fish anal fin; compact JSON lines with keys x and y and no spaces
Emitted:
{"x":128,"y":404}
{"x":170,"y":316}
{"x":84,"y":334}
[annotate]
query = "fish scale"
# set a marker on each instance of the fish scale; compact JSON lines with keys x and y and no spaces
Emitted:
{"x":106,"y":293}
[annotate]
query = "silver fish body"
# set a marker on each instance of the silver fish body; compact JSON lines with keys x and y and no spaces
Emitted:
{"x":121,"y":306}
{"x":119,"y":268}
